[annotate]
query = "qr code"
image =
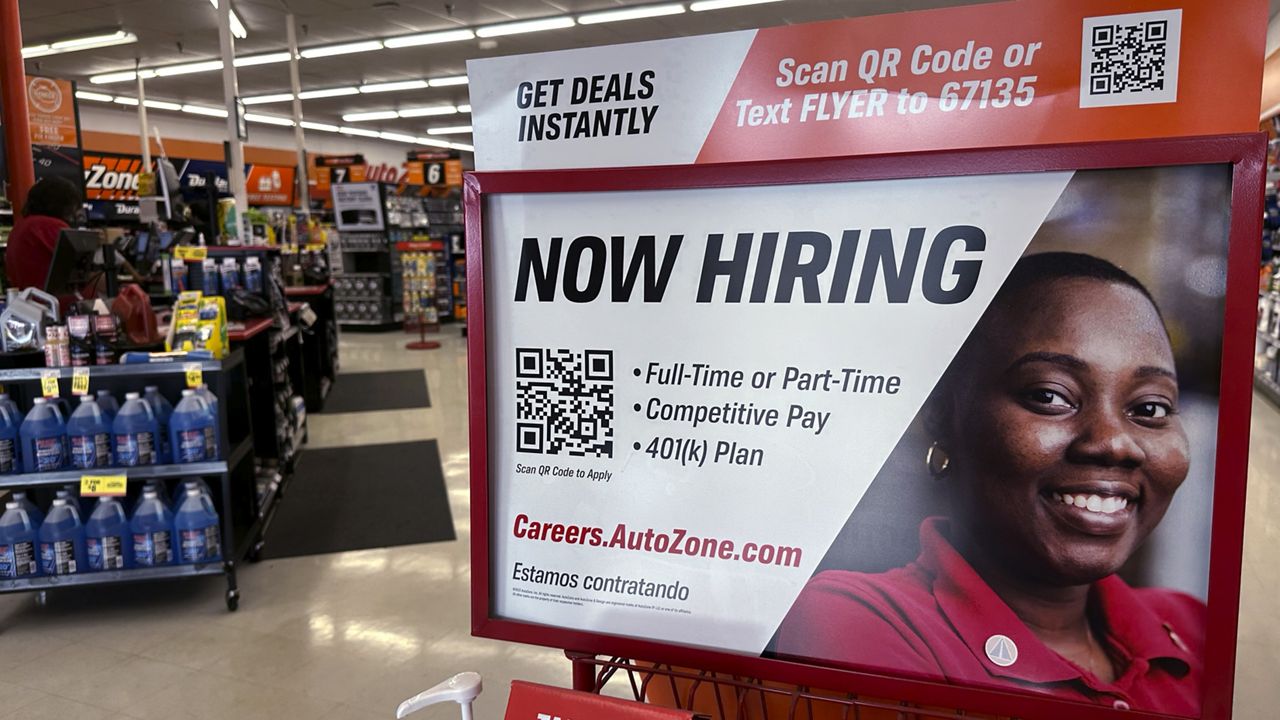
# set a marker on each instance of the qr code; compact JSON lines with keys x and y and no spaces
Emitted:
{"x":564,"y":402}
{"x":1130,"y":59}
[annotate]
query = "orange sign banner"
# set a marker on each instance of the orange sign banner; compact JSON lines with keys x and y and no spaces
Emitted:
{"x":270,"y":185}
{"x":51,"y":111}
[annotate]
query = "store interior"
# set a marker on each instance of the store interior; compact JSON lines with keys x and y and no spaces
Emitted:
{"x":302,"y":471}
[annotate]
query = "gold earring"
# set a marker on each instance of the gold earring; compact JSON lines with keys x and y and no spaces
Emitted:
{"x":937,"y":460}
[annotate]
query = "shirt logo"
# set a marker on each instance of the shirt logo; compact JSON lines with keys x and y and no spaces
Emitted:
{"x":1001,"y":650}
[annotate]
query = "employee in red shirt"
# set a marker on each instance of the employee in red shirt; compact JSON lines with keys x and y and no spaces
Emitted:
{"x":52,"y":205}
{"x":1059,"y":445}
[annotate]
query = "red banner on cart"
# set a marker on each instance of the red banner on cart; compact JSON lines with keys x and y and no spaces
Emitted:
{"x":1003,"y":74}
{"x":531,"y":701}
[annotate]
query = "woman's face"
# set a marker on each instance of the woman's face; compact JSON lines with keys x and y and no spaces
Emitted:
{"x":1067,"y":444}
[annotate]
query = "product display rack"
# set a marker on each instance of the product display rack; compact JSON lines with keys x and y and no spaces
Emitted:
{"x":319,"y":343}
{"x":230,"y":478}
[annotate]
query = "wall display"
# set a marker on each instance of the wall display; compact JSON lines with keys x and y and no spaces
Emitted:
{"x":1019,"y":73}
{"x":110,"y":176}
{"x":51,"y":112}
{"x":358,"y":207}
{"x":844,"y":419}
{"x":270,"y":185}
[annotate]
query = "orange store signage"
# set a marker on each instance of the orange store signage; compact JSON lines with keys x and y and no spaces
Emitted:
{"x":51,"y":111}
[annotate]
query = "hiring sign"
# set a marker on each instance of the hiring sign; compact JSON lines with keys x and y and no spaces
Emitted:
{"x":846,"y":422}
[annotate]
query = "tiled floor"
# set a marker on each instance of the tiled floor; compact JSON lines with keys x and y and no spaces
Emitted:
{"x":348,"y":636}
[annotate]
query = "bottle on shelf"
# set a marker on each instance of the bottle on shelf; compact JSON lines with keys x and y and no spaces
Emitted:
{"x":193,"y":430}
{"x":162,"y":409}
{"x":212,"y":400}
{"x":71,"y":493}
{"x":20,"y":497}
{"x":152,"y":529}
{"x":62,"y":549}
{"x":108,"y":403}
{"x":89,"y":435}
{"x":10,"y":425}
{"x":108,"y":538}
{"x":135,"y":430}
{"x":196,"y":525}
{"x":44,"y":438}
{"x":18,"y":540}
{"x":180,"y":491}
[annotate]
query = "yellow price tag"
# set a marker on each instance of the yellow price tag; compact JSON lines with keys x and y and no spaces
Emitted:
{"x":195,"y":375}
{"x":49,"y":383}
{"x":80,"y":381}
{"x":103,"y":485}
{"x":191,"y":252}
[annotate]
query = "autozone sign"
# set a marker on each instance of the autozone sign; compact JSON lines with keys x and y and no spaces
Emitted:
{"x":111,"y":177}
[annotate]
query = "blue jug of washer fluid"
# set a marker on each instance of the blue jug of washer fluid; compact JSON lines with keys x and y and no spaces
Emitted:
{"x":135,"y":431}
{"x":19,"y":538}
{"x":10,"y":425}
{"x":193,"y":430}
{"x":20,"y":497}
{"x":196,"y":526}
{"x":152,"y":528}
{"x":108,"y":403}
{"x":108,"y":539}
{"x":162,"y":409}
{"x":89,"y":436}
{"x":44,"y":438}
{"x":62,"y":540}
{"x":180,"y":491}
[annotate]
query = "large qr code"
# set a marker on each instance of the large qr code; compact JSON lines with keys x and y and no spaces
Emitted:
{"x":1130,"y":59}
{"x":564,"y":402}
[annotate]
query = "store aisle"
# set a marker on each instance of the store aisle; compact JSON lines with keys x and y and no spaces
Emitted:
{"x":347,"y":636}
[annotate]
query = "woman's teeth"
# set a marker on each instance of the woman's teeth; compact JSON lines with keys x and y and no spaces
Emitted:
{"x":1105,"y":504}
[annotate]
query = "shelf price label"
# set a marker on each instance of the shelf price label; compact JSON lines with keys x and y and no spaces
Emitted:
{"x":103,"y":485}
{"x":195,"y":375}
{"x":191,"y":252}
{"x":49,"y":383}
{"x":80,"y":381}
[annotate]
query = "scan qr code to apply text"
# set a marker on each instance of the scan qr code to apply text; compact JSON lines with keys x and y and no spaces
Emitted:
{"x":564,"y":402}
{"x":1130,"y":59}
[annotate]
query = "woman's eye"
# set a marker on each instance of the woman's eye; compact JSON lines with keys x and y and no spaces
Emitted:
{"x":1151,"y":410}
{"x":1050,"y":398}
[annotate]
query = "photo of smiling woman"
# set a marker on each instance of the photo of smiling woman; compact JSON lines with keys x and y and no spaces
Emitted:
{"x":1057,"y":438}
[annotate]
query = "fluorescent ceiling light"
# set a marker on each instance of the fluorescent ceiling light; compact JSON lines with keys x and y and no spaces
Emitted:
{"x":265,"y":59}
{"x":702,"y":5}
{"x":188,"y":68}
{"x":327,"y":92}
{"x":343,"y":49}
{"x":630,"y":13}
{"x":322,"y":127}
{"x":464,"y":108}
{"x":122,"y":100}
{"x":161,"y":105}
{"x":202,"y":110}
{"x":358,"y":132}
{"x":365,"y":116}
{"x":268,"y":119}
{"x":123,"y":76}
{"x":398,"y":137}
{"x":237,"y":27}
{"x":393,"y":86}
{"x":462,"y":146}
{"x":427,"y":111}
{"x":524,"y":26}
{"x":100,"y":97}
{"x":447,"y":81}
{"x":451,"y":130}
{"x":430,"y":38}
{"x":264,"y":99}
{"x":432,"y":143}
{"x":120,"y":37}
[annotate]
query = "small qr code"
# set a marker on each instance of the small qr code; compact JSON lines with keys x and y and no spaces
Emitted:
{"x":564,"y":402}
{"x":1130,"y":59}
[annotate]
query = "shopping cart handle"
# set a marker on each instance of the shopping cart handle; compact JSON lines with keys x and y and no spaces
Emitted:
{"x":461,"y":688}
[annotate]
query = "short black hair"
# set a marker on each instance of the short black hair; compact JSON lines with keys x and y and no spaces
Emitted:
{"x":55,"y":197}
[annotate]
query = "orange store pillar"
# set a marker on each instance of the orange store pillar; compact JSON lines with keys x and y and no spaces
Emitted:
{"x":13,"y":106}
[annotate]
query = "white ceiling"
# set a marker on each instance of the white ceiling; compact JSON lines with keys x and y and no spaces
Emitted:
{"x":174,"y":31}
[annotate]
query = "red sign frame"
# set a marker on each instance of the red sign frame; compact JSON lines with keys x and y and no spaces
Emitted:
{"x":1246,"y":153}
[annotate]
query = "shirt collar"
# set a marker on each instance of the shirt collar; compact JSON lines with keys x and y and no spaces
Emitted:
{"x":978,"y":614}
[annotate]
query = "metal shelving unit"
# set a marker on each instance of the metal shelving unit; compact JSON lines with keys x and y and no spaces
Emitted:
{"x":230,"y":478}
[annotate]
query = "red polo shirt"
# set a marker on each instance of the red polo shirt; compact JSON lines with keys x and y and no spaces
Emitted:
{"x":30,"y":250}
{"x":935,"y":618}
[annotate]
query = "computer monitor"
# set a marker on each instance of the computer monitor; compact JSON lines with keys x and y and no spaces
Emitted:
{"x":73,"y":265}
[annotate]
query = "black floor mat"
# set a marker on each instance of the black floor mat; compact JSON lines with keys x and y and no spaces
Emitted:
{"x":367,"y":392}
{"x":356,"y":498}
